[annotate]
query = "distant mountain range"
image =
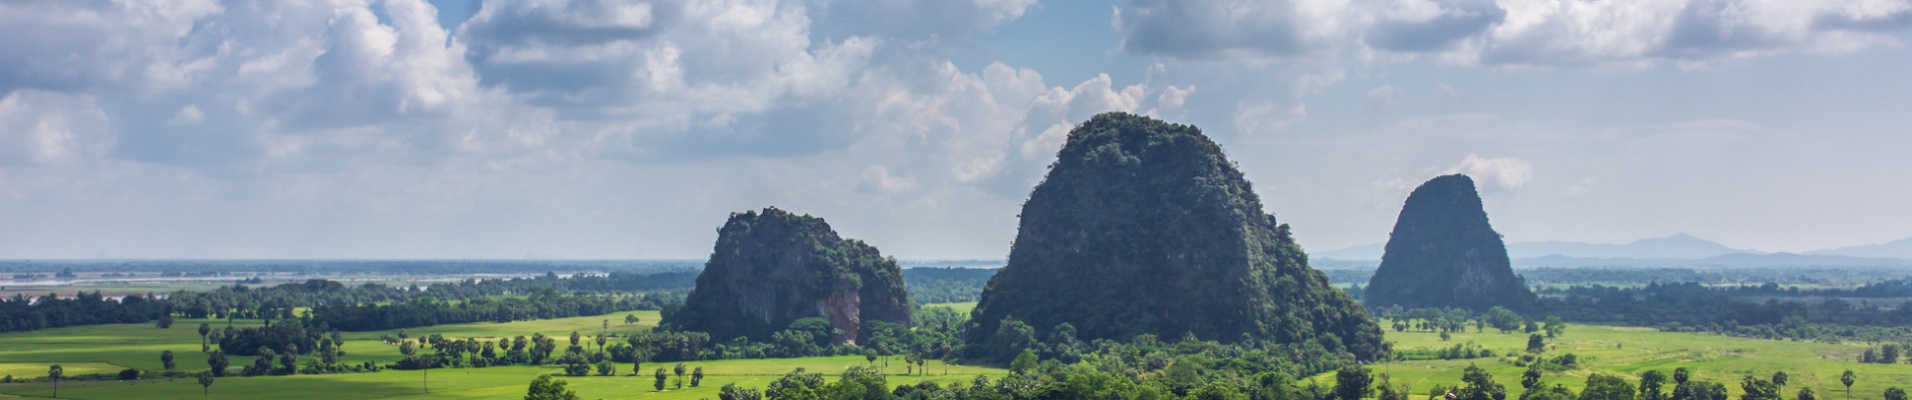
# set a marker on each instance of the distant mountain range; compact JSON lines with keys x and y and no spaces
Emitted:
{"x":1679,"y":246}
{"x":1901,"y":248}
{"x":1681,"y":250}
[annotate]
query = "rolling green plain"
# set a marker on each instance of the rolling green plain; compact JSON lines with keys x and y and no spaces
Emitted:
{"x":1629,"y":351}
{"x":106,"y":349}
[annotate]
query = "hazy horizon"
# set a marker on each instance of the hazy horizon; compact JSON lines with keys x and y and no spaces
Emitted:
{"x":450,"y":129}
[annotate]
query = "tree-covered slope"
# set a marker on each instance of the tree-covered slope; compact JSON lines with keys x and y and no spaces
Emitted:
{"x":772,"y":268}
{"x":1145,"y":227}
{"x":1443,"y":253}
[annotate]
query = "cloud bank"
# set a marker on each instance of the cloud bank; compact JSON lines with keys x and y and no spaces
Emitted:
{"x":366,"y":128}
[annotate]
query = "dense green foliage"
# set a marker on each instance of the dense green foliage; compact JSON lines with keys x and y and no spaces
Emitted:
{"x":1444,"y":253}
{"x":773,"y":268}
{"x":20,"y":313}
{"x":1135,"y":216}
{"x":546,"y":388}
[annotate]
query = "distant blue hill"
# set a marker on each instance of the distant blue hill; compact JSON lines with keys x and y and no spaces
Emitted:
{"x":1901,"y":248}
{"x":1678,"y":246}
{"x":1738,"y":260}
{"x":1679,"y":250}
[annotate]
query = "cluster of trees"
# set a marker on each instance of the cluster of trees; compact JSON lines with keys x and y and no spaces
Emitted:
{"x":935,"y":336}
{"x":347,"y":267}
{"x":541,"y":303}
{"x":1696,"y":308}
{"x":1885,"y":354}
{"x":21,"y":313}
{"x":278,"y":301}
{"x":1446,"y":320}
{"x":284,"y":347}
{"x":1460,"y":351}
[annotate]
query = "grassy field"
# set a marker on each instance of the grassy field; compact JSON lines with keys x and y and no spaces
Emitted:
{"x":480,"y":383}
{"x":962,"y":308}
{"x":1601,"y":349}
{"x":1631,"y":351}
{"x":109,"y":348}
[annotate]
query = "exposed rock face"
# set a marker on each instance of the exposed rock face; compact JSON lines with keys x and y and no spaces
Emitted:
{"x":1145,"y":227}
{"x":1443,"y":253}
{"x":773,"y":268}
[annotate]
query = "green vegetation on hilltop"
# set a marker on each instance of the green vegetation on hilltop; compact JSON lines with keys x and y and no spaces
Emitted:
{"x":1135,"y":219}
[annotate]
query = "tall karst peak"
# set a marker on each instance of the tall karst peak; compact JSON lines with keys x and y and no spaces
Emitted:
{"x":772,"y":268}
{"x":1145,"y":227}
{"x":1444,"y":253}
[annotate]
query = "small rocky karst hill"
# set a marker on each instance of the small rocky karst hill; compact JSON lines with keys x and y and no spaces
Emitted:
{"x":1145,"y":227}
{"x":772,"y":268}
{"x":1443,"y":253}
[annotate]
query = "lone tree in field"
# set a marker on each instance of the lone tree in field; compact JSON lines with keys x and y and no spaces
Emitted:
{"x":637,"y":367}
{"x":205,"y":384}
{"x":56,"y":371}
{"x":411,"y":353}
{"x":1779,"y":378}
{"x":204,"y":329}
{"x":1848,"y":378}
{"x":546,"y":388}
{"x":679,"y":370}
{"x":870,"y":355}
{"x":1805,"y":393}
{"x":166,"y":358}
{"x":630,"y":319}
{"x":1894,"y":394}
{"x":661,"y":376}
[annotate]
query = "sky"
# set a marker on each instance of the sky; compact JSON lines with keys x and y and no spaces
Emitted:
{"x":464,"y":129}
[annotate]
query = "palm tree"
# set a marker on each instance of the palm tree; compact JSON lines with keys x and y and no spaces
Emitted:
{"x":1848,"y":378}
{"x":205,"y":384}
{"x":55,"y":372}
{"x":204,"y":329}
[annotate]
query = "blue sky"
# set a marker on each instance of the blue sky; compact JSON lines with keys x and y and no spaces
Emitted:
{"x":585,"y":129}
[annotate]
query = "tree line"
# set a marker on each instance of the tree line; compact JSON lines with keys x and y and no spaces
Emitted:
{"x":369,"y":306}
